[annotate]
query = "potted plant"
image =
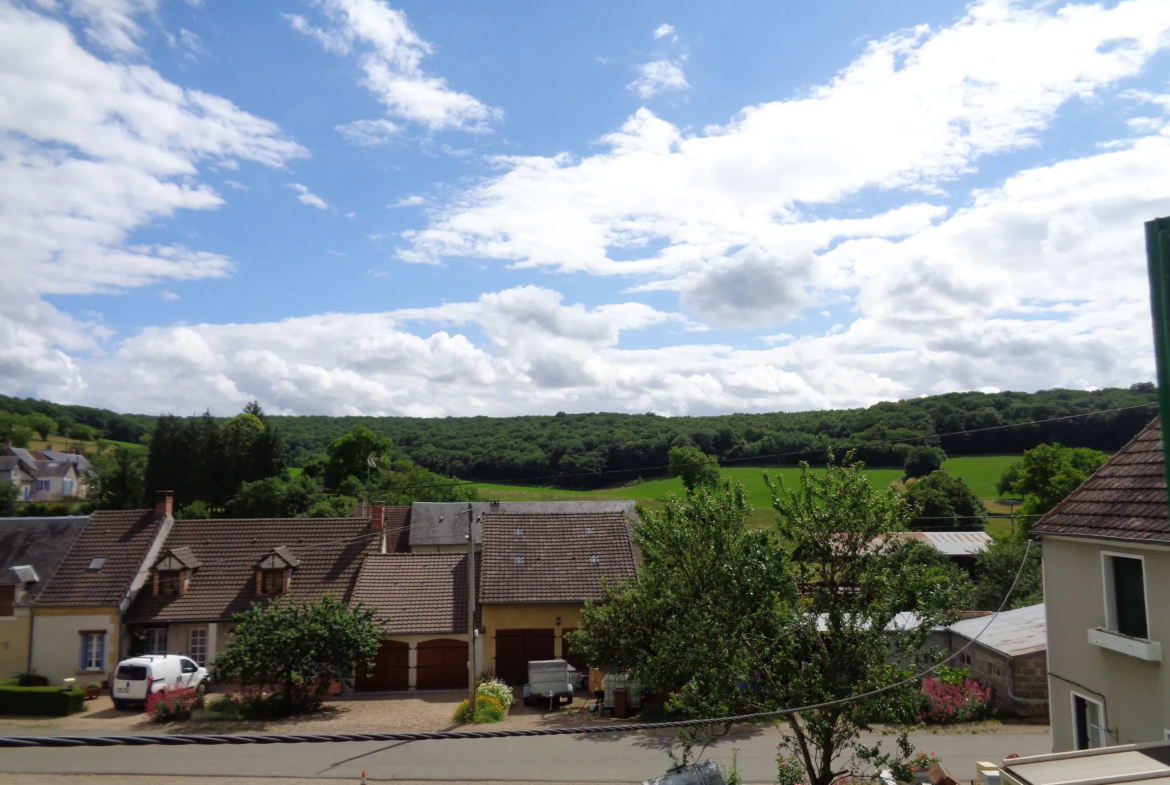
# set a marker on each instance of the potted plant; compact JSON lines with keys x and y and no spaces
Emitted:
{"x":92,"y":690}
{"x":915,"y":769}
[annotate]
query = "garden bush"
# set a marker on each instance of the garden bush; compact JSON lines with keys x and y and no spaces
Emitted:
{"x":173,"y":705}
{"x":494,"y":688}
{"x":41,"y":701}
{"x":32,"y":680}
{"x":220,"y":709}
{"x":948,"y":702}
{"x":487,"y":709}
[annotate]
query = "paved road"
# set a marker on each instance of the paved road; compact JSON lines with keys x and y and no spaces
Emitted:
{"x":594,"y":758}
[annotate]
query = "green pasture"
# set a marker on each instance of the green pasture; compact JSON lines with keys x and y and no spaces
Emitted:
{"x":980,"y":472}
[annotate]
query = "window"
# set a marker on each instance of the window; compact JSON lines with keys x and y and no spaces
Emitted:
{"x":1088,"y":723}
{"x":67,"y":487}
{"x":170,"y":582}
{"x":996,"y":670}
{"x":273,"y":581}
{"x":965,"y":658}
{"x":93,"y":651}
{"x":154,"y":640}
{"x":1125,"y":595}
{"x":42,"y":485}
{"x":7,"y":600}
{"x":197,"y":645}
{"x":187,"y":666}
{"x":97,"y":563}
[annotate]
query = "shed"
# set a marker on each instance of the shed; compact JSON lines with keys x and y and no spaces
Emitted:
{"x":1009,"y":653}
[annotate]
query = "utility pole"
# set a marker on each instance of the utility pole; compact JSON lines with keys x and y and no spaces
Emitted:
{"x":471,"y":609}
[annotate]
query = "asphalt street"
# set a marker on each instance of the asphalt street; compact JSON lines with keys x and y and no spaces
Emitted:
{"x":588,"y":758}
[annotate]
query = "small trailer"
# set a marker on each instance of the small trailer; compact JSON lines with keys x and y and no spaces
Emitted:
{"x":548,"y":680}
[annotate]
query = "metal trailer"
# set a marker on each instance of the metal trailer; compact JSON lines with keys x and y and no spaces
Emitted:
{"x":548,"y":680}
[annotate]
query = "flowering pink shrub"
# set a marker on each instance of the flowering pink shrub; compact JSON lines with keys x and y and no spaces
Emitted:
{"x":968,"y":700}
{"x":173,"y":704}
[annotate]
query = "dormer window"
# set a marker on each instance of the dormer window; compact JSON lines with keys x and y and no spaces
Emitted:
{"x":170,"y":581}
{"x":274,"y":572}
{"x":173,"y":571}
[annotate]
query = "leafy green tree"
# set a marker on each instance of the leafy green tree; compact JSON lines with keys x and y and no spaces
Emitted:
{"x":273,"y":497}
{"x":120,"y":479}
{"x":923,"y":459}
{"x":83,"y":432}
{"x":42,"y":424}
{"x":406,"y":482}
{"x":943,"y":500}
{"x":1049,"y":473}
{"x":996,"y":568}
{"x":1008,"y":478}
{"x":301,"y":648}
{"x":724,"y":620}
{"x":196,"y":510}
{"x":347,"y":457}
{"x":13,"y":429}
{"x":9,"y":497}
{"x":694,"y":467}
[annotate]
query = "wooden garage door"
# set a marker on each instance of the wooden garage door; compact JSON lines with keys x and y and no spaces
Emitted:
{"x":442,"y":664}
{"x":391,"y":669}
{"x":514,"y":649}
{"x":576,"y":660}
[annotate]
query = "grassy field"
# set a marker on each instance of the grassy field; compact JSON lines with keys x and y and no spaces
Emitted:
{"x":63,"y":444}
{"x":980,"y":472}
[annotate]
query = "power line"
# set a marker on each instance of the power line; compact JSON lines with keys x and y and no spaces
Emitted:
{"x":184,"y":740}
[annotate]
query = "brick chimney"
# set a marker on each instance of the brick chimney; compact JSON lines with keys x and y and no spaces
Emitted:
{"x":164,"y":503}
{"x":377,"y":516}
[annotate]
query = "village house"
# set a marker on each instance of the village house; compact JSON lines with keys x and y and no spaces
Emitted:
{"x":441,"y":527}
{"x":1007,"y":653}
{"x":31,"y":550}
{"x":1106,"y":574}
{"x":46,"y":475}
{"x":78,"y":622}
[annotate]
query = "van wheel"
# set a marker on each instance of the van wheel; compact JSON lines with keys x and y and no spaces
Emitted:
{"x":201,"y":689}
{"x":119,"y":705}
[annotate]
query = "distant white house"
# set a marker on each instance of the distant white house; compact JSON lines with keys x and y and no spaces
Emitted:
{"x":46,"y":475}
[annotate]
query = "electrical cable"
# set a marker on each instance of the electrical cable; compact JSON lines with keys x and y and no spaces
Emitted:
{"x":16,"y":742}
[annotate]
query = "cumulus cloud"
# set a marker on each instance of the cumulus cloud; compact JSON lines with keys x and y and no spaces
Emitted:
{"x":663,"y":30}
{"x":391,"y":53}
{"x":308,"y":197}
{"x":658,"y":76}
{"x":750,"y":288}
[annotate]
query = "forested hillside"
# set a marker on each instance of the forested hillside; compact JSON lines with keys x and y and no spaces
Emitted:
{"x":588,"y":450}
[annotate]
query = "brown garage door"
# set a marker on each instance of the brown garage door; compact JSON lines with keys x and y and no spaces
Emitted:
{"x":576,"y":660}
{"x":514,"y":649}
{"x":442,"y":664}
{"x":391,"y":669}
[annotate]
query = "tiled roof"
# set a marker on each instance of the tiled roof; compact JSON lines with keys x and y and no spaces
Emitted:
{"x":123,"y":538}
{"x":1124,"y":500}
{"x":417,"y":592}
{"x":553,"y":557}
{"x":1015,"y":632}
{"x":330,"y":551}
{"x":445,"y":523}
{"x":397,"y":522}
{"x":39,"y":542}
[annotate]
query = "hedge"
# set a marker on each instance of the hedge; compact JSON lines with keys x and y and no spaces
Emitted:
{"x":39,"y":701}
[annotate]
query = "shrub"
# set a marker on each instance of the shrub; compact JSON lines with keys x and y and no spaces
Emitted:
{"x":41,"y":701}
{"x":220,"y":709}
{"x":173,"y":705}
{"x":32,"y":680}
{"x":487,"y":709}
{"x":494,"y":688}
{"x":962,"y":702}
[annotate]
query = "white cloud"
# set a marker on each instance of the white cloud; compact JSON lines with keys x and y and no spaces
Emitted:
{"x":308,"y":197}
{"x":168,"y":295}
{"x":235,"y":184}
{"x":658,"y":76}
{"x":391,"y":53}
{"x":368,"y":133}
{"x":110,"y":24}
{"x":663,"y":30}
{"x":409,"y":201}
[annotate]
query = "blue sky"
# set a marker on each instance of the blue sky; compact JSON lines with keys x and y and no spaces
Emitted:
{"x":353,"y":206}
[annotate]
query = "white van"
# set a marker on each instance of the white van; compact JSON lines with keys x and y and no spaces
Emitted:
{"x":137,"y":677}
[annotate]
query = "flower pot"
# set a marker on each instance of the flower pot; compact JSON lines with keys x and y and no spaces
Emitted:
{"x":92,"y":692}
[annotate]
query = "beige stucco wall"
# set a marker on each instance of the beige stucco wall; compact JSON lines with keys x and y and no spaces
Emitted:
{"x":1136,"y":693}
{"x":527,"y":617}
{"x":57,"y":642}
{"x":14,"y":643}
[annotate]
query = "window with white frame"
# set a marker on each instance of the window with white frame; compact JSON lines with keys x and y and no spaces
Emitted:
{"x":42,"y":485}
{"x":67,"y":487}
{"x":1125,"y":594}
{"x":93,"y":651}
{"x":197,"y":645}
{"x":1088,"y":722}
{"x":154,"y":640}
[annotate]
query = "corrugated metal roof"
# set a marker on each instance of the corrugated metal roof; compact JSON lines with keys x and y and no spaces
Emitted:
{"x":1068,"y":768}
{"x":1015,"y":632}
{"x":953,"y":543}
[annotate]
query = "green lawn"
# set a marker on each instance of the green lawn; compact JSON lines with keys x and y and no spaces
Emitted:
{"x":980,"y":472}
{"x":295,"y":471}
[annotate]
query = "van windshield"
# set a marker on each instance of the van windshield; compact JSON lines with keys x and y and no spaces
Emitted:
{"x":131,"y":673}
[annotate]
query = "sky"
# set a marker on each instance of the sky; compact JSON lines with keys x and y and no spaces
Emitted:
{"x":463,"y":208}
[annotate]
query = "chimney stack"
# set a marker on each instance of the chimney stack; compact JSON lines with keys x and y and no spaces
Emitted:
{"x":164,"y":503}
{"x":377,"y":516}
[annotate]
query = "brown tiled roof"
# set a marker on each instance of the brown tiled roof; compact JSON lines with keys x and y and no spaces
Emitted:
{"x":397,"y":522}
{"x":417,"y":592}
{"x":553,"y":557}
{"x":1124,"y":500}
{"x":330,"y":551}
{"x":123,"y":538}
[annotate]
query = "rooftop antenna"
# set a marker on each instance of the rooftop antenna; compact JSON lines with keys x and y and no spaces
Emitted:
{"x":371,"y":463}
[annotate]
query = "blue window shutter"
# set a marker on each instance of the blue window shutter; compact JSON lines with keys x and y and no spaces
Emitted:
{"x":84,"y":646}
{"x":101,"y":652}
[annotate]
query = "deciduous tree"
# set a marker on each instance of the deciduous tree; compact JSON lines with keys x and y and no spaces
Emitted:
{"x":922,"y":459}
{"x":694,"y":467}
{"x":943,"y":500}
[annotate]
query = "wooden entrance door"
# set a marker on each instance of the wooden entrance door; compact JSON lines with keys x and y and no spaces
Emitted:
{"x":391,"y":669}
{"x":515,"y":648}
{"x":442,"y":664}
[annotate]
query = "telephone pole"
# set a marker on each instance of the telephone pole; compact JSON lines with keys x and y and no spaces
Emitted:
{"x":471,"y":609}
